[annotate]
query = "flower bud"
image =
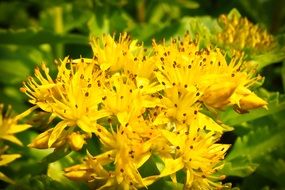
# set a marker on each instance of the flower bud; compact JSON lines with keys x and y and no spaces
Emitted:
{"x":77,"y":175}
{"x":76,"y":141}
{"x":252,"y":101}
{"x":41,"y":141}
{"x":217,"y":95}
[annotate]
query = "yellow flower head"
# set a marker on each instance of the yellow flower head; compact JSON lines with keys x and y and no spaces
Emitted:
{"x":178,"y":106}
{"x":127,"y":149}
{"x":141,"y":104}
{"x":183,"y":65}
{"x":4,"y":160}
{"x":239,"y":33}
{"x":9,"y":125}
{"x":86,"y":90}
{"x":125,"y":99}
{"x":110,"y":54}
{"x":8,"y":128}
{"x":74,"y":139}
{"x":197,"y":153}
{"x":73,"y":96}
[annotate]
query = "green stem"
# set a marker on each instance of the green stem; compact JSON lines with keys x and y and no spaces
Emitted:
{"x":58,"y":29}
{"x":283,"y":75}
{"x":141,"y":11}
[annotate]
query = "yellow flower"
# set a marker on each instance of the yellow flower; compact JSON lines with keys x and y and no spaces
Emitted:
{"x":178,"y":106}
{"x":110,"y":54}
{"x":9,"y":125}
{"x":74,"y":96}
{"x":125,"y":151}
{"x":124,"y":99}
{"x":239,"y":33}
{"x":8,"y":128}
{"x":245,"y":100}
{"x":4,"y":160}
{"x":86,"y":90}
{"x":41,"y":141}
{"x":38,"y":89}
{"x":141,"y":104}
{"x":197,"y":153}
{"x":183,"y":65}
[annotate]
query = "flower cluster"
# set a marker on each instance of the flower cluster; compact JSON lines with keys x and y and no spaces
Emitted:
{"x":8,"y":128}
{"x":239,"y":33}
{"x":143,"y":104}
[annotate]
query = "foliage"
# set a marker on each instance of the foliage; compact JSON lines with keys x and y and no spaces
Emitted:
{"x":35,"y":32}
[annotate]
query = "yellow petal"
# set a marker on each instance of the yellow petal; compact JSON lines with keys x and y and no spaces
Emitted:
{"x":18,"y":128}
{"x":111,"y":182}
{"x":123,"y":118}
{"x":56,"y":132}
{"x":12,"y":139}
{"x":172,"y":138}
{"x":25,"y":113}
{"x":77,"y":175}
{"x":252,"y":101}
{"x":171,"y":166}
{"x":217,"y":94}
{"x":142,"y":159}
{"x":7,"y":158}
{"x":3,"y":177}
{"x":85,"y":125}
{"x":150,"y":179}
{"x":162,"y":78}
{"x":76,"y":168}
{"x":189,"y":179}
{"x":76,"y":141}
{"x":173,"y":178}
{"x":210,"y":124}
{"x":161,"y":119}
{"x":41,"y":141}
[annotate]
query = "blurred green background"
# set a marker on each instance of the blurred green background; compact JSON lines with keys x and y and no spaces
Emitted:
{"x":33,"y":31}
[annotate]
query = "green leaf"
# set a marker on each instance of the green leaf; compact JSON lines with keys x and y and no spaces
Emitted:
{"x":69,"y":16}
{"x":203,"y":27}
{"x":240,"y":166}
{"x":40,"y":182}
{"x":248,"y":150}
{"x":189,"y":4}
{"x":283,"y":75}
{"x":258,"y":143}
{"x":273,"y":169}
{"x":13,"y":71}
{"x":173,"y":186}
{"x":56,"y":155}
{"x":147,"y":32}
{"x":162,"y":184}
{"x":268,"y":58}
{"x":149,"y":168}
{"x":98,"y":28}
{"x":32,"y":36}
{"x":270,"y":173}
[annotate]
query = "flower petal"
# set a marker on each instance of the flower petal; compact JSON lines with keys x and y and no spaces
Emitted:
{"x":3,"y":177}
{"x":171,"y":166}
{"x":18,"y":128}
{"x":56,"y":132}
{"x":7,"y":158}
{"x":12,"y":139}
